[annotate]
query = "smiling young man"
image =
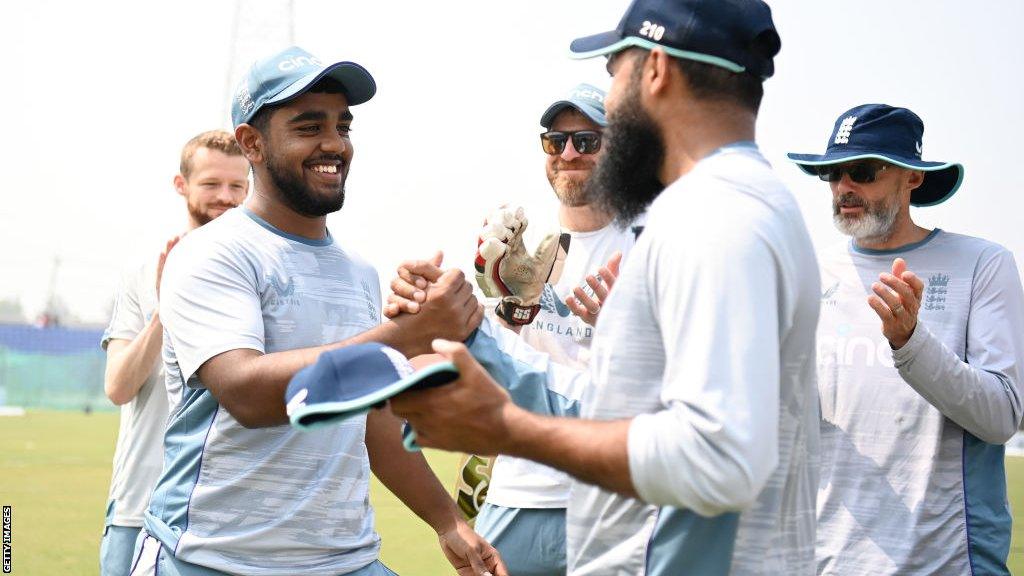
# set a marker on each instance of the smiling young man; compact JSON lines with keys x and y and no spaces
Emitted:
{"x":696,"y":450}
{"x":214,"y":177}
{"x":247,"y":302}
{"x":915,"y":415}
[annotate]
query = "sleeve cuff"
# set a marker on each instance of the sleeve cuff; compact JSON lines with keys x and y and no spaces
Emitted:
{"x":909,"y":351}
{"x":637,"y":446}
{"x":190,"y":367}
{"x":117,"y":335}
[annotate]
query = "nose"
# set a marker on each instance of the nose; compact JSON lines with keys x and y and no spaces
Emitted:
{"x":333,"y":142}
{"x":845,"y":184}
{"x":225,"y":195}
{"x":569,"y":153}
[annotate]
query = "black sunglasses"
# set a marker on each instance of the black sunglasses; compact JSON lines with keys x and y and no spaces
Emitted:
{"x":584,"y":141}
{"x":860,"y":172}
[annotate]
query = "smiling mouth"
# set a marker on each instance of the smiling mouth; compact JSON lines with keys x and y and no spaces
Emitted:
{"x":324,"y":168}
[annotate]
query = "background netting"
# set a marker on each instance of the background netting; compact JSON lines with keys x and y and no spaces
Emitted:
{"x":52,"y":368}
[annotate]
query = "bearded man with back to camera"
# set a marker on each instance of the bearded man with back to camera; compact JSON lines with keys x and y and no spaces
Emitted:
{"x":915,"y":415}
{"x":524,"y":513}
{"x":696,"y":452}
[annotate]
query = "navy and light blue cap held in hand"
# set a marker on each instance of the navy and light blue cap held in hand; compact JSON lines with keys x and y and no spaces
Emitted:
{"x":289,"y":74}
{"x":347,"y":382}
{"x":585,"y":99}
{"x":891,"y":134}
{"x":737,"y":35}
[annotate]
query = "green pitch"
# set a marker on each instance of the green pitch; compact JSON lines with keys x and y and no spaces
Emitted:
{"x":55,"y":469}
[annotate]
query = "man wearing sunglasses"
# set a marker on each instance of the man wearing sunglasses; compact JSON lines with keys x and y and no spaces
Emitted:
{"x":524,"y":516}
{"x":696,"y":449}
{"x":913,"y":418}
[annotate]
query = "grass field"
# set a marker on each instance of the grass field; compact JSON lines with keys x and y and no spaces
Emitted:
{"x":56,"y":468}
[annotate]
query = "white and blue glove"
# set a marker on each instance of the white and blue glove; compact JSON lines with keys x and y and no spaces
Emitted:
{"x":506,"y":270}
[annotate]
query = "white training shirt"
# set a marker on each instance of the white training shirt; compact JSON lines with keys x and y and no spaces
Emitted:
{"x":565,"y":338}
{"x":707,"y":342}
{"x":139,"y":455}
{"x":268,"y":501}
{"x":912,"y":476}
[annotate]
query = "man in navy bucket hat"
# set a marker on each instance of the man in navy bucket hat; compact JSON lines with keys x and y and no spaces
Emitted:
{"x":695,"y":449}
{"x":251,"y":299}
{"x":915,"y":415}
{"x":893,"y":136}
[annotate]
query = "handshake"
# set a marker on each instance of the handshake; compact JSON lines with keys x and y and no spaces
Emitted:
{"x":504,"y":270}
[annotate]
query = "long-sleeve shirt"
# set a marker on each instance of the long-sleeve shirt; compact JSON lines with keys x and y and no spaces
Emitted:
{"x":912,"y":478}
{"x":707,"y":343}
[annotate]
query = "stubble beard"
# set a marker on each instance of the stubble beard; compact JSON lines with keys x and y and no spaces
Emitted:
{"x":570,"y":192}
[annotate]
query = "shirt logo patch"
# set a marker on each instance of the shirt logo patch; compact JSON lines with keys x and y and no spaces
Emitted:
{"x":549,"y":302}
{"x":843,"y":133}
{"x":370,"y":308}
{"x":281,"y":292}
{"x":935,"y":294}
{"x":828,"y":297}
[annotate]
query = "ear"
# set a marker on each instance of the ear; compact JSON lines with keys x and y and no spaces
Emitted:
{"x":179,"y":185}
{"x":657,"y":70}
{"x":251,"y":142}
{"x":914,"y":179}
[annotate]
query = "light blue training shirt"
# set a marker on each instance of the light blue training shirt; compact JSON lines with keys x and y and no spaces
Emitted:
{"x":912,"y":477}
{"x":268,"y":501}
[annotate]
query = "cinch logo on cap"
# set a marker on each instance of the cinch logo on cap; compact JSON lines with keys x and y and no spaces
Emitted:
{"x":917,"y":146}
{"x":588,"y":95}
{"x":843,"y":134}
{"x":294,"y":62}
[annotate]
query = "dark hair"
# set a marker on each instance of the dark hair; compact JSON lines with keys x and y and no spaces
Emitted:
{"x":326,"y":85}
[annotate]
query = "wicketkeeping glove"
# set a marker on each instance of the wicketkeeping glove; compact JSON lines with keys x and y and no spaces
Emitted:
{"x":506,"y":270}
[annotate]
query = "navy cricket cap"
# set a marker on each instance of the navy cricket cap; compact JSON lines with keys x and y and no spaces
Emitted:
{"x":585,"y":99}
{"x":737,"y":35}
{"x":347,"y":382}
{"x":891,"y":134}
{"x":289,"y":74}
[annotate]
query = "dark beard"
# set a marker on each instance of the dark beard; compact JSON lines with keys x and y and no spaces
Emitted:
{"x":297,"y":196}
{"x":625,"y":180}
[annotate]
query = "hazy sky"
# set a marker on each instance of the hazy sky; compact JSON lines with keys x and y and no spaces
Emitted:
{"x":99,"y":97}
